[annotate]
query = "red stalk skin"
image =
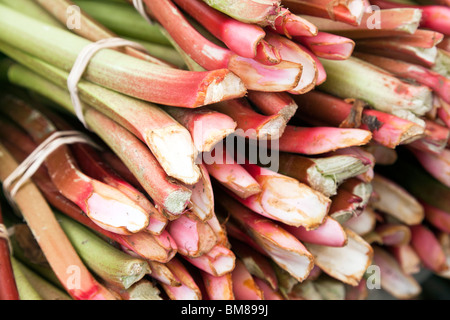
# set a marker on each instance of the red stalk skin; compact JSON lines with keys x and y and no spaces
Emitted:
{"x":329,"y":9}
{"x":345,"y":201}
{"x":433,"y":17}
{"x":444,"y":44}
{"x":318,"y":140}
{"x":244,"y":286}
{"x":8,"y":288}
{"x":254,"y":75}
{"x":428,"y":248}
{"x":322,"y":109}
{"x":443,"y":112}
{"x":244,"y":251}
{"x":438,"y":218}
{"x":118,"y":166}
{"x":291,"y":25}
{"x":268,"y":292}
{"x":328,"y":46}
{"x":241,"y":38}
{"x":421,"y":38}
{"x":437,"y":82}
{"x":271,"y":103}
{"x":235,"y":232}
{"x":217,"y":288}
{"x":267,"y":54}
{"x":329,"y":233}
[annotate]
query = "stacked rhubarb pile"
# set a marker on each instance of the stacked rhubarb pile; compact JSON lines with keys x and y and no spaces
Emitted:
{"x":232,"y":150}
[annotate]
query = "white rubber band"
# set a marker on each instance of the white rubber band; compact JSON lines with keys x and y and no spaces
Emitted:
{"x":82,"y":62}
{"x":140,"y":7}
{"x":31,"y":164}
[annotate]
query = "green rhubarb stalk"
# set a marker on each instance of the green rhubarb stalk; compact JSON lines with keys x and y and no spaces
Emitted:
{"x":356,"y":79}
{"x":44,"y":288}
{"x":33,"y":9}
{"x":124,"y":20}
{"x":107,"y":262}
{"x":26,"y":290}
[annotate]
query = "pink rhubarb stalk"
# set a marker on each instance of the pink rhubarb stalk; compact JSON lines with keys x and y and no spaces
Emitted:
{"x":254,"y":75}
{"x":322,"y":109}
{"x":232,"y":175}
{"x":202,"y":198}
{"x":271,"y":103}
{"x":436,"y":164}
{"x":428,"y":248}
{"x":241,"y":38}
{"x":393,"y":234}
{"x":407,"y":258}
{"x":328,"y":46}
{"x":284,"y":249}
{"x":268,"y":292}
{"x":285,"y":199}
{"x":349,"y":11}
{"x":393,"y":279}
{"x":329,"y":233}
{"x":438,"y":218}
{"x":364,"y":223}
{"x":292,"y":25}
{"x":435,"y":139}
{"x":317,"y":140}
{"x":345,"y":205}
{"x":188,"y":288}
{"x":218,"y":262}
{"x":244,"y":286}
{"x":192,"y":236}
{"x":218,"y":288}
{"x":207,"y":127}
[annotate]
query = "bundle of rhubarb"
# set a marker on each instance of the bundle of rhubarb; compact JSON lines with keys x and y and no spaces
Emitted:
{"x":228,"y":150}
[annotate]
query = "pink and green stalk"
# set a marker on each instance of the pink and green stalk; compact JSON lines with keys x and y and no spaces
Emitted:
{"x":218,"y":262}
{"x":244,"y":285}
{"x":254,"y":75}
{"x":131,"y":76}
{"x":394,"y":49}
{"x":271,"y":103}
{"x":393,"y":279}
{"x":192,"y":236}
{"x":433,"y":17}
{"x":284,"y":249}
{"x":392,"y":22}
{"x":91,"y":29}
{"x":348,"y":263}
{"x":323,"y":174}
{"x":421,"y":38}
{"x":438,"y":218}
{"x":268,"y":292}
{"x":323,"y":109}
{"x":232,"y":175}
{"x":292,"y":25}
{"x":393,"y":234}
{"x":90,"y":162}
{"x":328,"y":46}
{"x":207,"y":127}
{"x":257,"y":264}
{"x":329,"y":233}
{"x":218,"y":288}
{"x":363,"y":223}
{"x":167,"y":194}
{"x":436,"y":164}
{"x":285,"y":199}
{"x":406,"y":257}
{"x":350,"y":11}
{"x":360,"y":188}
{"x":105,"y":205}
{"x":318,"y":140}
{"x":428,"y":248}
{"x":188,"y":290}
{"x":377,"y":87}
{"x":366,"y":157}
{"x":250,"y":123}
{"x":435,"y":139}
{"x":145,"y":120}
{"x":259,"y":12}
{"x":241,"y":38}
{"x":394,"y":200}
{"x":293,"y":52}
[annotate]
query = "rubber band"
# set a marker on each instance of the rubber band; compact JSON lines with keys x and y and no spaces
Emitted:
{"x":31,"y":164}
{"x":81,"y":64}
{"x":140,"y":7}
